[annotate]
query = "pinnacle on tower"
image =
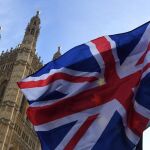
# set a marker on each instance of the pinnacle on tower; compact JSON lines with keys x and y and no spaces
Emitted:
{"x":38,"y":13}
{"x":32,"y":32}
{"x":57,"y":54}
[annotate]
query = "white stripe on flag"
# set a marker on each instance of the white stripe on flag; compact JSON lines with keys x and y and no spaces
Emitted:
{"x":142,"y":110}
{"x":61,"y":70}
{"x":71,"y":88}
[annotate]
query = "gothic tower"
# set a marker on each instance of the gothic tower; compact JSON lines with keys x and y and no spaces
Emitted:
{"x":32,"y":32}
{"x":16,"y":132}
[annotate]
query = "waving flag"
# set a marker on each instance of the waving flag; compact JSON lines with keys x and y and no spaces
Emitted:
{"x":96,"y":96}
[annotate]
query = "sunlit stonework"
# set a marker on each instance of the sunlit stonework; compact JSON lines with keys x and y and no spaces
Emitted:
{"x":16,"y":132}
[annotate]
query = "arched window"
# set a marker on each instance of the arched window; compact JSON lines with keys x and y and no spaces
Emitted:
{"x":23,"y":105}
{"x":11,"y":148}
{"x":3,"y":86}
{"x":35,"y":23}
{"x":32,"y":31}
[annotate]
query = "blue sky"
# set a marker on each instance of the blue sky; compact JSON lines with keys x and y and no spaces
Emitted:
{"x":68,"y":23}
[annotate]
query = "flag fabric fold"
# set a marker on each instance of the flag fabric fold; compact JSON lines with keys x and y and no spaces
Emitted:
{"x":95,"y":96}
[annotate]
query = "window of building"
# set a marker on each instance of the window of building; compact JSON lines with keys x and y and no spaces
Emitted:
{"x":3,"y":86}
{"x":23,"y":105}
{"x":19,"y":131}
{"x":11,"y":148}
{"x":32,"y":31}
{"x":16,"y":127}
{"x":26,"y":138}
{"x":23,"y":135}
{"x":35,"y":23}
{"x":30,"y":142}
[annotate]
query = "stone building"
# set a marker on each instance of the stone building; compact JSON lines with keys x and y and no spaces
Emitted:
{"x":16,"y":132}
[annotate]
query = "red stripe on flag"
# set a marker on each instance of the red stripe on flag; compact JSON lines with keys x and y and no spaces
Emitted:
{"x":124,"y":92}
{"x":71,"y":145}
{"x":104,"y":47}
{"x":54,"y":77}
{"x":85,"y":100}
{"x":136,"y":122}
{"x":147,"y":66}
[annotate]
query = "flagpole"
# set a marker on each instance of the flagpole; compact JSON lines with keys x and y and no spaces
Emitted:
{"x":140,"y":144}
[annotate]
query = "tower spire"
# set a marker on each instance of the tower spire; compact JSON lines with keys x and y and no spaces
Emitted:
{"x":32,"y":32}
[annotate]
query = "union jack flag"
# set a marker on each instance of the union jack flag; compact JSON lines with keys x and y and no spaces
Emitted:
{"x":95,"y":96}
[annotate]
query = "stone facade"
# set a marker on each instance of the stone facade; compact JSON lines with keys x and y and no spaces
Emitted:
{"x":16,"y":132}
